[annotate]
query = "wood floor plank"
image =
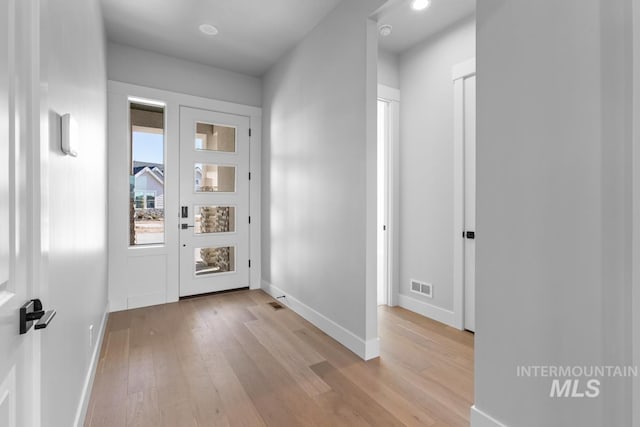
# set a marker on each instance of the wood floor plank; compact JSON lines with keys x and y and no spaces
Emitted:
{"x":143,"y":409}
{"x":291,"y":360}
{"x":354,"y":397}
{"x":331,"y":350}
{"x":267,"y":397}
{"x":278,"y":380}
{"x":408,"y":413}
{"x":111,"y":382}
{"x":278,"y":325}
{"x":232,"y":360}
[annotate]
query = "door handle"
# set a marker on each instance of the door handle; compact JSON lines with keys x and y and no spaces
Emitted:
{"x":185,"y":226}
{"x":469,"y":234}
{"x":32,"y":311}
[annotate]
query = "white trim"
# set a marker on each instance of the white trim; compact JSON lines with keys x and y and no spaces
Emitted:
{"x":255,"y":209}
{"x":366,"y":350}
{"x":151,"y":95}
{"x":371,"y":349}
{"x":481,"y":419}
{"x":392,"y":97}
{"x":121,"y":294}
{"x":458,"y":202}
{"x":635,"y":237}
{"x":464,"y":69}
{"x":388,"y":93}
{"x":429,"y":310}
{"x":459,"y":74}
{"x":371,"y":187}
{"x":85,"y":396}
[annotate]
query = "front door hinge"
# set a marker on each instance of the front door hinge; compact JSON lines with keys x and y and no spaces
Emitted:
{"x":249,"y":219}
{"x":249,"y":131}
{"x":249,"y":263}
{"x":249,"y":176}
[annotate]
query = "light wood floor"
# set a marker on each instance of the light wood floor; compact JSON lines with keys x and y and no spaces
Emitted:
{"x":232,"y":360}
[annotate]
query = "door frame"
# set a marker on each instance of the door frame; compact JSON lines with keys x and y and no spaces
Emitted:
{"x":123,"y":294}
{"x":392,"y":97}
{"x":460,"y":72}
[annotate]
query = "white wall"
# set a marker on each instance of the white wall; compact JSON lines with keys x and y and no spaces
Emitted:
{"x":142,"y":67}
{"x":74,"y":81}
{"x":388,"y":69}
{"x":553,"y":206}
{"x":319,"y":127}
{"x":426,"y":161}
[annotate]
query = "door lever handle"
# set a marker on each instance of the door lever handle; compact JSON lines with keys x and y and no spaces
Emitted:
{"x":32,"y":311}
{"x":45,"y":319}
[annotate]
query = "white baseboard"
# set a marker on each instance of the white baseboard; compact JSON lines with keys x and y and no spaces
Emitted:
{"x":372,"y":349}
{"x":365,"y":350}
{"x":83,"y":405}
{"x":480,"y":419}
{"x":428,"y":310}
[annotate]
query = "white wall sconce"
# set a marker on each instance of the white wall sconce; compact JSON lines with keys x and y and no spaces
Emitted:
{"x":70,"y":135}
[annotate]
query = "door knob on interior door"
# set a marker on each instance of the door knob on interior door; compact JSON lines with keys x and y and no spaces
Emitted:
{"x":32,"y":311}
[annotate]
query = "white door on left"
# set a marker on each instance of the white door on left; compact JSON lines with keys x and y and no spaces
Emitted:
{"x":19,"y":353}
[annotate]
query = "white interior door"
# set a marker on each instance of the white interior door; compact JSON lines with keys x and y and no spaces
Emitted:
{"x":470,"y":202}
{"x":214,"y":200}
{"x":19,"y":354}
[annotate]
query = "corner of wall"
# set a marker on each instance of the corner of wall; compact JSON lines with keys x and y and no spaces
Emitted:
{"x":366,"y":350}
{"x":481,"y":419}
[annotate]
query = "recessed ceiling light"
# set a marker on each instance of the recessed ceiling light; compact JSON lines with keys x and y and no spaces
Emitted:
{"x":385,"y":30}
{"x":208,"y":29}
{"x":420,"y":4}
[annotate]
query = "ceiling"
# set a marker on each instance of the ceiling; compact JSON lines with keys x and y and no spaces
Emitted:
{"x":253,"y":33}
{"x":411,"y":27}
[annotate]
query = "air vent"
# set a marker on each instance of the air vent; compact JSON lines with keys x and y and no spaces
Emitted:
{"x":275,"y":305}
{"x":422,"y":288}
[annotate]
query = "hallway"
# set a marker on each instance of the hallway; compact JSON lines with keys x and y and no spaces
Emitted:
{"x":231,"y":359}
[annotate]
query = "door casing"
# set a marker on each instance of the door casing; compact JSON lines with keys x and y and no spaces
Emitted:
{"x":124,"y":291}
{"x":460,"y":73}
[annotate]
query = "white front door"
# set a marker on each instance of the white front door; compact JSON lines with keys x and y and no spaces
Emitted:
{"x":214,"y":200}
{"x":470,"y":203}
{"x":19,"y":353}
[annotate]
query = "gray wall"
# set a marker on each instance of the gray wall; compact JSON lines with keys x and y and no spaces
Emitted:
{"x":553,"y":206}
{"x":388,"y":69}
{"x":144,"y":68}
{"x":426,"y":160}
{"x":314,"y":167}
{"x":74,"y":70}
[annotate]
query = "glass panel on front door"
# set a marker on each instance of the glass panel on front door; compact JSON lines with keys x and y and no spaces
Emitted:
{"x":214,"y":260}
{"x":215,"y":138}
{"x":214,"y":178}
{"x":215,"y":219}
